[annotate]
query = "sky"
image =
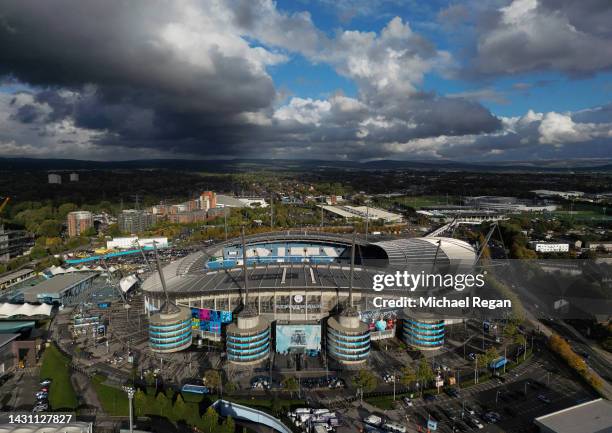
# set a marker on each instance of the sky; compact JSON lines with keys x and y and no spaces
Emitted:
{"x":472,"y":80}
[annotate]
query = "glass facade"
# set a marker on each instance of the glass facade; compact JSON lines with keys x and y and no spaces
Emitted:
{"x":171,"y":336}
{"x":348,"y":346}
{"x":242,"y":347}
{"x":424,"y":334}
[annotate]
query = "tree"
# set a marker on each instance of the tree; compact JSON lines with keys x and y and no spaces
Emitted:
{"x":140,"y":403}
{"x":290,"y":384}
{"x":38,"y":253}
{"x":228,"y":425}
{"x":210,"y":420}
{"x":179,"y":409}
{"x":66,"y":208}
{"x":276,"y":405}
{"x":365,"y":380}
{"x":212,"y":379}
{"x":408,"y":375}
{"x":49,"y":228}
{"x":162,"y":405}
{"x":424,"y":373}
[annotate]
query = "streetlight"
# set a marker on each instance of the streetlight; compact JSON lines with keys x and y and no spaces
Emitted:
{"x":130,"y":392}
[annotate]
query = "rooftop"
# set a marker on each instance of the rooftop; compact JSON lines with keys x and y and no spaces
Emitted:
{"x":591,"y":417}
{"x":8,"y":277}
{"x":60,"y":283}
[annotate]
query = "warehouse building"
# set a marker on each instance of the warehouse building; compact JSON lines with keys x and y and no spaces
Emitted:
{"x":591,"y":417}
{"x":62,"y":288}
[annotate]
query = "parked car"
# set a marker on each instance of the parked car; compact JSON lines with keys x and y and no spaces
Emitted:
{"x":407,"y":401}
{"x":45,"y":382}
{"x":543,"y":398}
{"x":429,"y":397}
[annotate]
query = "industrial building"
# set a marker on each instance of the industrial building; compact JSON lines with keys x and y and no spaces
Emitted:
{"x":62,"y":288}
{"x":74,"y":177}
{"x":78,"y":222}
{"x":300,"y":279}
{"x":594,"y":416}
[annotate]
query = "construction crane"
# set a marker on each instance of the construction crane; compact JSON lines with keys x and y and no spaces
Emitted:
{"x":4,"y":203}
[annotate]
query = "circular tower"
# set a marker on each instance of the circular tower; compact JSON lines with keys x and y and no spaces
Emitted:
{"x":170,"y":329}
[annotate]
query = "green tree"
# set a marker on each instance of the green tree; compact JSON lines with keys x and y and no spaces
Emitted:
{"x":89,"y":232}
{"x":212,"y":379}
{"x":210,"y":420}
{"x":66,"y":208}
{"x":162,"y":405}
{"x":38,"y":253}
{"x":424,"y":373}
{"x":228,"y":426}
{"x":407,"y":375}
{"x":179,"y":409}
{"x":140,"y":403}
{"x":365,"y":380}
{"x":290,"y":384}
{"x":49,"y":228}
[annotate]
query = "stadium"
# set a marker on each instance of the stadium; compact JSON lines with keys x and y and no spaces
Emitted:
{"x":300,"y":286}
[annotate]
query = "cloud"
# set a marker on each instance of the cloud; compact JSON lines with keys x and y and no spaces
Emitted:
{"x":558,"y":129}
{"x":487,"y":94}
{"x":191,"y":78}
{"x":573,"y":37}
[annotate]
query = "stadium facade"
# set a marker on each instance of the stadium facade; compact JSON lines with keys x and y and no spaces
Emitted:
{"x":300,"y":278}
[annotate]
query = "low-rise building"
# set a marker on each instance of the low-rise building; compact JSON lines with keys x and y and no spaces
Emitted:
{"x":600,"y":246}
{"x":591,"y":417}
{"x":549,"y":247}
{"x":62,"y":288}
{"x":12,"y":278}
{"x":131,"y":242}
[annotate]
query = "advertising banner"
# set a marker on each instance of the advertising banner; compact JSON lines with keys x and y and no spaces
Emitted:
{"x":294,"y":337}
{"x":204,"y":319}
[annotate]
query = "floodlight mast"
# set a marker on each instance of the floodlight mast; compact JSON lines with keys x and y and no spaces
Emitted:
{"x":144,"y":256}
{"x":112,"y":280}
{"x":352,"y":271}
{"x":161,"y":274}
{"x":244,"y":267}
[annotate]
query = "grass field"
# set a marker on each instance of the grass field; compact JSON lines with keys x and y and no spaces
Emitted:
{"x":114,"y":400}
{"x":56,"y":366}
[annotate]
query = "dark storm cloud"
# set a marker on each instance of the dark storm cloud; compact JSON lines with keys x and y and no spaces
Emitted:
{"x":140,"y":87}
{"x":573,"y":37}
{"x":180,"y":77}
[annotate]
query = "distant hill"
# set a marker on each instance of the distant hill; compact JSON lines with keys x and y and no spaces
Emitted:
{"x":228,"y":165}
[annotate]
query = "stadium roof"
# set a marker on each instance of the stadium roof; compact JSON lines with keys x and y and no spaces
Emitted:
{"x":591,"y":417}
{"x":262,"y":277}
{"x":190,"y":274}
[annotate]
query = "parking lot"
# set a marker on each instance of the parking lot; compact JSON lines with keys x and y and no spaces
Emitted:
{"x":540,"y":386}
